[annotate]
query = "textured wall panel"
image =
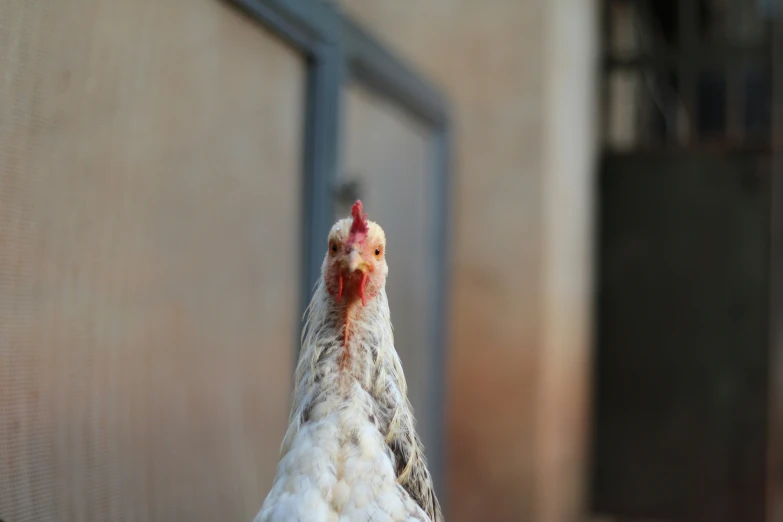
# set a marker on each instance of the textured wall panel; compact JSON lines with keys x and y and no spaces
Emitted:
{"x":149,"y":218}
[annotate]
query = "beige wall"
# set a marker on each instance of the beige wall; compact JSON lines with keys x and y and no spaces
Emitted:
{"x":571,"y":134}
{"x":139,"y":171}
{"x":149,"y":234}
{"x":518,"y":74}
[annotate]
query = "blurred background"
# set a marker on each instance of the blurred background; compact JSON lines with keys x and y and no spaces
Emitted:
{"x":584,"y":212}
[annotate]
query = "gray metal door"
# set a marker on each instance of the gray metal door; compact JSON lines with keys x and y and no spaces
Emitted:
{"x":682,"y":337}
{"x":387,"y":152}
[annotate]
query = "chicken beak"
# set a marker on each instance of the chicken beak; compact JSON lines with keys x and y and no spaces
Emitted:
{"x":354,"y":261}
{"x":351,"y":263}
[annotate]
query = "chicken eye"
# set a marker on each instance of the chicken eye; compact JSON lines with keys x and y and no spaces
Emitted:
{"x":333,"y":248}
{"x":378,"y":251}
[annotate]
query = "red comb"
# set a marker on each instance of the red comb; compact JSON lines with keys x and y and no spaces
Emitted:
{"x":359,"y":225}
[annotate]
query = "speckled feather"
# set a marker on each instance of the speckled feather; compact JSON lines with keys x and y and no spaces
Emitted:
{"x":351,"y":451}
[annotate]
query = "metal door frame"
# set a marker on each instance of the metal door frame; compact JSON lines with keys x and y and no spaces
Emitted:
{"x":691,"y":56}
{"x":337,"y":51}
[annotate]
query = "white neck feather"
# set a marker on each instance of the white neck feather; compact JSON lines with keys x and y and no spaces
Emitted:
{"x":328,"y":367}
{"x":351,"y":424}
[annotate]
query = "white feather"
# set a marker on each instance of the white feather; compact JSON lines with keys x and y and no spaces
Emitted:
{"x":350,"y":403}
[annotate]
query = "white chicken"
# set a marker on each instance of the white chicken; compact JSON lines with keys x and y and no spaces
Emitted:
{"x":351,"y":451}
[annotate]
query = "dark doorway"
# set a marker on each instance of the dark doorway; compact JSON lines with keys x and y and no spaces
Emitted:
{"x":681,"y":370}
{"x":684,"y":323}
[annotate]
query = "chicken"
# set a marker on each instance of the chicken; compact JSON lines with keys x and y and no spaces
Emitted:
{"x":351,"y":451}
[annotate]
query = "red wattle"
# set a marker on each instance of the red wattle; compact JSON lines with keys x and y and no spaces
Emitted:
{"x":339,"y":288}
{"x":361,"y":288}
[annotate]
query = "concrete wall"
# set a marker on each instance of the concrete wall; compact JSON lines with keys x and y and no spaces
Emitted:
{"x":520,"y":77}
{"x":571,"y":139}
